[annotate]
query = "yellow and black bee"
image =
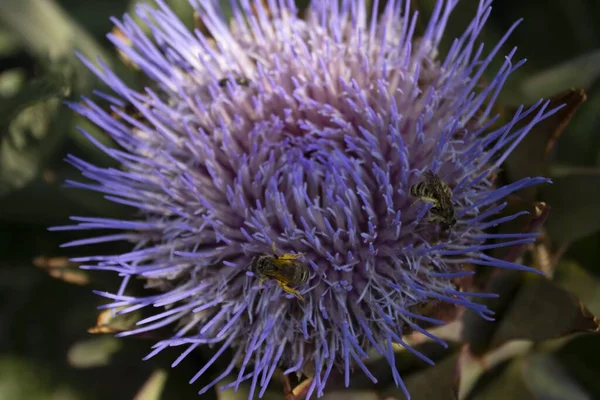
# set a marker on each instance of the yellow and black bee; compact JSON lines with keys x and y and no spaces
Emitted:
{"x":433,"y":190}
{"x":130,"y":110}
{"x":285,"y":269}
{"x":242,"y":81}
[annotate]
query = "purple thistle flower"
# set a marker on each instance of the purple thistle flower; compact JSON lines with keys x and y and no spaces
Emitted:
{"x":306,"y":134}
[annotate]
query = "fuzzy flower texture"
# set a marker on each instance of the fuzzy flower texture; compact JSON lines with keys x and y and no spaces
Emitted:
{"x":306,"y":133}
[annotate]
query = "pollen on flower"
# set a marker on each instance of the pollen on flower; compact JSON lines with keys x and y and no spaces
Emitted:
{"x":303,"y":133}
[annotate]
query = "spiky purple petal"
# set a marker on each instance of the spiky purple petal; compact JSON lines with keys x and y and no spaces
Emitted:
{"x":343,"y":113}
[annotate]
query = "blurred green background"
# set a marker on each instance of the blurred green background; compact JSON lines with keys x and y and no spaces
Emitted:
{"x":543,"y":346}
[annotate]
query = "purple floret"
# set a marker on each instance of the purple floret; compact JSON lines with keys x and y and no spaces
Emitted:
{"x":342,"y":112}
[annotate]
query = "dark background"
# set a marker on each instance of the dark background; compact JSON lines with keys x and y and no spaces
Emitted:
{"x":542,"y":347}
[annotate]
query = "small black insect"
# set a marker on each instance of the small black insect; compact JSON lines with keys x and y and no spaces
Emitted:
{"x":433,"y":190}
{"x":285,"y":269}
{"x":242,"y":81}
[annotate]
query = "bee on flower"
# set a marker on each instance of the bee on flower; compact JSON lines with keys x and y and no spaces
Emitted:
{"x":284,"y":269}
{"x":433,"y":190}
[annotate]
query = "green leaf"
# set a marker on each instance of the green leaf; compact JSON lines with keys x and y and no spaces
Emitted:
{"x":20,"y":379}
{"x":434,"y":382}
{"x":547,"y":379}
{"x":582,"y":72}
{"x":502,"y":382}
{"x":30,"y":130}
{"x":565,"y":368}
{"x":230,"y":394}
{"x":530,"y":307}
{"x":579,"y":144}
{"x":475,"y":373}
{"x":540,"y":310}
{"x":11,"y":81}
{"x":47,"y":31}
{"x":532,"y":222}
{"x":579,"y":356}
{"x":23,"y":205}
{"x":575,"y":202}
{"x":530,"y":156}
{"x":94,"y":352}
{"x":565,"y":171}
{"x":572,"y":277}
{"x":478,"y":332}
{"x":585,"y":253}
{"x":45,"y":88}
{"x":153,"y":387}
{"x":24,"y":379}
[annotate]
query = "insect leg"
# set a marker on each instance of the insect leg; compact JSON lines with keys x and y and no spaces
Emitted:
{"x":289,"y":290}
{"x":424,"y":199}
{"x":418,"y":199}
{"x":260,"y":283}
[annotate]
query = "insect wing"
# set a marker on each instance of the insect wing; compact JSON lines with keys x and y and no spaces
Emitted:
{"x":286,"y":258}
{"x":430,"y":177}
{"x":291,"y":273}
{"x":447,"y":190}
